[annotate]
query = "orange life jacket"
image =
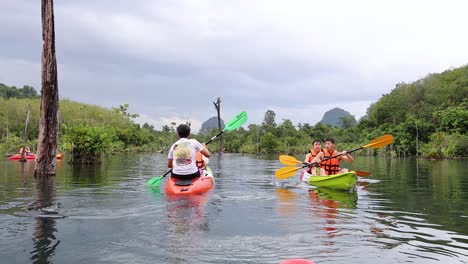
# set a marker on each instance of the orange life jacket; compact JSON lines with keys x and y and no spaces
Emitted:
{"x":313,"y":154}
{"x":331,"y":166}
{"x":199,"y":160}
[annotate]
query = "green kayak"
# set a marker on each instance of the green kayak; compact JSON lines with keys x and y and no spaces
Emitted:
{"x":342,"y":181}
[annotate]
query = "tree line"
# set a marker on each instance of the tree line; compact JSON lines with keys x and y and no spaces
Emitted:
{"x":428,"y":117}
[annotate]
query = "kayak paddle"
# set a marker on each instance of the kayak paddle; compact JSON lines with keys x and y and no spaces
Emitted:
{"x":156,"y":181}
{"x":287,"y":172}
{"x":290,"y":160}
{"x":233,"y":124}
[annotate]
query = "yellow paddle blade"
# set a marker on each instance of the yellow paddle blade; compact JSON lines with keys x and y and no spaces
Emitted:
{"x":362,"y":173}
{"x":289,"y":160}
{"x":286,"y":172}
{"x":380,"y":141}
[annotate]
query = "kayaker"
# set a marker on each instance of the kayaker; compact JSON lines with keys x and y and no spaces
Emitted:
{"x":313,"y":152}
{"x":332,"y":166}
{"x":182,"y":155}
{"x":28,"y":151}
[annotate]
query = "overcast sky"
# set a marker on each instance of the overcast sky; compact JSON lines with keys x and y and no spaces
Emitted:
{"x":169,"y":60}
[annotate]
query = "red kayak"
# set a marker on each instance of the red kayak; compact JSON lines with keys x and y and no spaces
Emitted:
{"x":198,"y":185}
{"x":30,"y":156}
{"x":297,"y":261}
{"x":18,"y":156}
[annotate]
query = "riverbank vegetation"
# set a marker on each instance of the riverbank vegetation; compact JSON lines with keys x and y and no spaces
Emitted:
{"x":428,"y":118}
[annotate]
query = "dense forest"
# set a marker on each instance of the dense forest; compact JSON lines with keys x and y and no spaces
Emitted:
{"x":428,"y":117}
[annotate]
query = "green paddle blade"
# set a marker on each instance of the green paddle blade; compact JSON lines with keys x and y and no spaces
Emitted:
{"x":236,"y":122}
{"x":155,"y":182}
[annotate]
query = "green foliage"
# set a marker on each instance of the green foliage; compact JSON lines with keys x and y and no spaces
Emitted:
{"x":86,"y":144}
{"x":453,"y":118}
{"x":442,"y":145}
{"x":11,"y":145}
{"x":269,"y":143}
{"x":347,"y":122}
{"x":13,"y":92}
{"x":269,"y":119}
{"x":123,"y":111}
{"x":415,"y":112}
{"x":13,"y":117}
{"x":428,"y":117}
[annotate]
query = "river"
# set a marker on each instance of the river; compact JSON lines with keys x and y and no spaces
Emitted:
{"x":407,"y":211}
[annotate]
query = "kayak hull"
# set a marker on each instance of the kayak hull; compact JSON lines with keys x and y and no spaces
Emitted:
{"x":199,"y":185}
{"x":18,"y":156}
{"x":30,"y":156}
{"x":297,"y":261}
{"x":342,"y":181}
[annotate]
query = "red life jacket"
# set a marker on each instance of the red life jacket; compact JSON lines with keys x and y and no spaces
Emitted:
{"x":331,"y":166}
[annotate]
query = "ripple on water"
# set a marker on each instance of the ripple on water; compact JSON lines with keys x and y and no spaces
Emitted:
{"x":250,"y":217}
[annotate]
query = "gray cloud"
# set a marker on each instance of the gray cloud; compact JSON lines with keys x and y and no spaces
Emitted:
{"x":170,"y":59}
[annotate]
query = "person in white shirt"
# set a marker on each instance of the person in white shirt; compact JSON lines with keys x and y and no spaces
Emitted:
{"x":182,"y":155}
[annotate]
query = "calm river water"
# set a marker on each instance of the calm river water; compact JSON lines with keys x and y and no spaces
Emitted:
{"x":408,"y":211}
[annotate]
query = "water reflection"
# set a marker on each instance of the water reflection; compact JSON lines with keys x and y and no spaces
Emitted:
{"x":87,"y":175}
{"x":186,"y":213}
{"x":286,"y":205}
{"x":326,"y":203}
{"x":408,"y":211}
{"x":187,"y":225}
{"x":334,"y":198}
{"x":45,"y":242}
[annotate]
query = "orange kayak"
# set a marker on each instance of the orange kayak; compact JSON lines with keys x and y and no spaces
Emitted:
{"x":198,"y":185}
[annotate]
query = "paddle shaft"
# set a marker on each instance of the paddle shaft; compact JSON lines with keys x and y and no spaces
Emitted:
{"x":213,"y":138}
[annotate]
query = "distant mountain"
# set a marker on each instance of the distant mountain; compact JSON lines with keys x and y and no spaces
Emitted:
{"x":210,"y":124}
{"x":339,"y":118}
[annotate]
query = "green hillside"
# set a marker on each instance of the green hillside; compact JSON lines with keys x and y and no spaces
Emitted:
{"x":103,"y":130}
{"x":432,"y":110}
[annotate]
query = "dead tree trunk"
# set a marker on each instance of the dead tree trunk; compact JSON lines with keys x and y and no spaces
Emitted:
{"x":218,"y":107}
{"x":417,"y":138}
{"x":48,"y":123}
{"x":25,"y":141}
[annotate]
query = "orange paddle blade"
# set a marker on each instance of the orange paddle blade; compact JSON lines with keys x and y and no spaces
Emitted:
{"x":289,"y":160}
{"x":380,"y":141}
{"x":286,"y":172}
